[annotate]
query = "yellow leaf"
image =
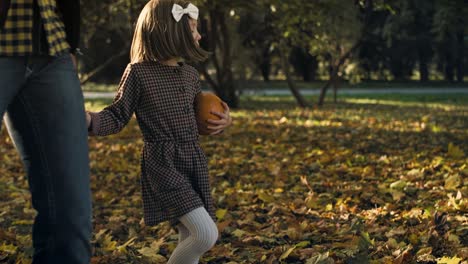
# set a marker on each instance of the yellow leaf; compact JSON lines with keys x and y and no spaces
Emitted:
{"x":302,"y":244}
{"x":286,"y":254}
{"x":454,"y":239}
{"x":455,"y":152}
{"x":448,"y":260}
{"x":392,"y":243}
{"x":108,"y":244}
{"x":279,"y":190}
{"x":266,"y":197}
{"x":151,"y":254}
{"x":238,"y":233}
{"x":399,"y":185}
{"x":366,"y":237}
{"x":155,"y":245}
{"x":397,"y":195}
{"x":312,"y":202}
{"x":123,"y":248}
{"x":413,"y":239}
{"x":220,"y":213}
{"x":424,"y":251}
{"x":100,"y":234}
{"x":23,"y":222}
{"x":452,"y":182}
{"x":146,"y":251}
{"x":283,"y":120}
{"x":320,"y":258}
{"x":8,"y":248}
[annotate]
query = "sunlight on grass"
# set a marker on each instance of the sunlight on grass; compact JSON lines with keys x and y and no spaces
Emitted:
{"x":100,"y":87}
{"x":97,"y":104}
{"x":443,"y":106}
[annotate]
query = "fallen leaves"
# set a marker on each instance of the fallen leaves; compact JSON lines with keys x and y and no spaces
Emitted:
{"x":345,"y":184}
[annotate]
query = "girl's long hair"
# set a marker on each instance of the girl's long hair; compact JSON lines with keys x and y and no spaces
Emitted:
{"x":158,"y":37}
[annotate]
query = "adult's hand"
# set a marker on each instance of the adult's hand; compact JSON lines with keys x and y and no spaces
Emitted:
{"x":73,"y":58}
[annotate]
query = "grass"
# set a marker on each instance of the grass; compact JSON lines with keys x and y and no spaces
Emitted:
{"x":279,"y":84}
{"x":288,"y":101}
{"x":422,"y":100}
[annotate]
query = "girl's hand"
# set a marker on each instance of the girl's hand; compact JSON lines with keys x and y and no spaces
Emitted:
{"x":218,"y":126}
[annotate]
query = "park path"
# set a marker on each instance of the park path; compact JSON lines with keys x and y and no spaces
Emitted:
{"x":347,"y":91}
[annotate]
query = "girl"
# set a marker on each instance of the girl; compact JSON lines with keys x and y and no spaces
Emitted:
{"x":160,"y":90}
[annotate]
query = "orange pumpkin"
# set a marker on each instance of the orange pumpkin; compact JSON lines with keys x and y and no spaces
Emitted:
{"x":205,"y":103}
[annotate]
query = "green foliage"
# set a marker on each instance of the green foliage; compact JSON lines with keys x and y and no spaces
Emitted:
{"x":320,"y":26}
{"x":448,"y":18}
{"x":399,"y":39}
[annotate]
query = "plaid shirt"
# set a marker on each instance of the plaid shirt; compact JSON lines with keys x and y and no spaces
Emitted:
{"x":16,"y":37}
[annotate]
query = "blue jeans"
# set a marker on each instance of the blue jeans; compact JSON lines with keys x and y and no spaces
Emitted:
{"x":44,"y":114}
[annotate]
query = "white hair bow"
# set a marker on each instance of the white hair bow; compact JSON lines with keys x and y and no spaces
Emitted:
{"x":178,"y":11}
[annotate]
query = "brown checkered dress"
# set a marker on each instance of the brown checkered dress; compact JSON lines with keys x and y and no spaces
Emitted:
{"x":174,"y":176}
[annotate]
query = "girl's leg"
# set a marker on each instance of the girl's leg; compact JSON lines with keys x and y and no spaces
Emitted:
{"x":203,"y":236}
{"x":183,"y":232}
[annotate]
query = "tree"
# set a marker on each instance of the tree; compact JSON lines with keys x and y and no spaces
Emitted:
{"x":107,"y":29}
{"x":450,"y":27}
{"x":329,"y":29}
{"x":304,"y":63}
{"x":218,"y":27}
{"x":341,"y":36}
{"x":407,"y":32}
{"x":257,"y":34}
{"x":289,"y":23}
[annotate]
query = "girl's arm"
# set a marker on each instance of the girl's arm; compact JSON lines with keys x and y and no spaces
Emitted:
{"x":114,"y":117}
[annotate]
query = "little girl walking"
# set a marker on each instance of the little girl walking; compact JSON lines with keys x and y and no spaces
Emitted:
{"x":160,"y":90}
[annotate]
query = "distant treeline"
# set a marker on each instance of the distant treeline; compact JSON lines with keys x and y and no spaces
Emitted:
{"x":317,"y":40}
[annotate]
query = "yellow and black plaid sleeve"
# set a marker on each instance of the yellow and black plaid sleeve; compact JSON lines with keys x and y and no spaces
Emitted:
{"x":54,"y":28}
{"x":16,"y":35}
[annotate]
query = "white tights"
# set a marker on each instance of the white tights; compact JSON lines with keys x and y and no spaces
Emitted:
{"x":197,"y":234}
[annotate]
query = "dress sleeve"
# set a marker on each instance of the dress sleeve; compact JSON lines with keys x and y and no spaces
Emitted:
{"x":114,"y":117}
{"x":197,"y":83}
{"x":197,"y":89}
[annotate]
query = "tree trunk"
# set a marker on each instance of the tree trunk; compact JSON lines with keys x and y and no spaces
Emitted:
{"x":228,"y":95}
{"x":334,"y":71}
{"x":449,"y":71}
{"x":218,"y":42}
{"x":423,"y":69}
{"x":323,"y":92}
{"x":265,"y":64}
{"x":331,"y":82}
{"x":335,"y":88}
{"x":310,"y":70}
{"x":449,"y":65}
{"x":285,"y":65}
{"x":336,"y":85}
{"x":460,"y":56}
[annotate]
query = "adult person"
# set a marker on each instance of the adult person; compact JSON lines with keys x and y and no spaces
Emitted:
{"x":41,"y":100}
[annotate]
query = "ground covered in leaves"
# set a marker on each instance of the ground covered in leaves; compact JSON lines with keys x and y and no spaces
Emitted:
{"x":361,"y":181}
